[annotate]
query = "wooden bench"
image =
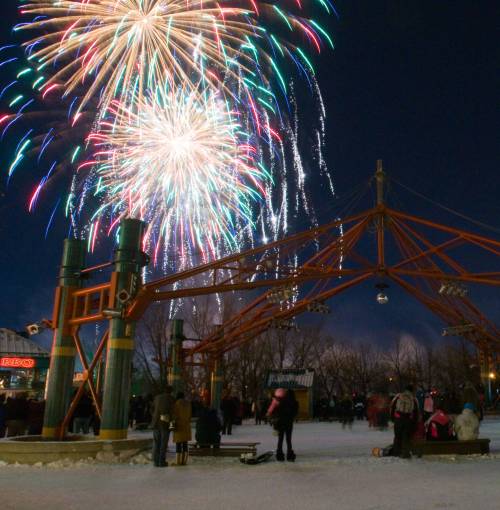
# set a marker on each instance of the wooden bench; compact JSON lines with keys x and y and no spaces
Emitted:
{"x":222,"y":450}
{"x":475,"y":446}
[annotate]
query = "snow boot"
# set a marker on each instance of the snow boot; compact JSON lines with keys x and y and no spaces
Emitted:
{"x":280,"y":456}
{"x":290,"y":456}
{"x":178,"y":459}
{"x":185,"y":456}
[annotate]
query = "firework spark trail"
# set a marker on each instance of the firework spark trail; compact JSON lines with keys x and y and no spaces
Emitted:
{"x":183,"y":165}
{"x":124,"y":45}
{"x":242,"y":62}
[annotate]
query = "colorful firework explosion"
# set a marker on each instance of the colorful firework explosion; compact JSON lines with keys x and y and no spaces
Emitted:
{"x":121,"y":46}
{"x":105,"y":58}
{"x":181,"y":161}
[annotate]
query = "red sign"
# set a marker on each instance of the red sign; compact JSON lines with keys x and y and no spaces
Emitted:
{"x":17,"y":362}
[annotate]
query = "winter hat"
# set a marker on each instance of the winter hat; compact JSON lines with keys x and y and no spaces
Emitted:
{"x":469,"y":405}
{"x":280,"y":393}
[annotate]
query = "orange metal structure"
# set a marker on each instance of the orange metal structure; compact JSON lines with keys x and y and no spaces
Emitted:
{"x":401,"y":249}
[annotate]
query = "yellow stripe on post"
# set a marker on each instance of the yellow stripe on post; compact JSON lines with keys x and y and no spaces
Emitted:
{"x":113,"y":434}
{"x":126,"y":344}
{"x":62,"y":351}
{"x":49,"y":432}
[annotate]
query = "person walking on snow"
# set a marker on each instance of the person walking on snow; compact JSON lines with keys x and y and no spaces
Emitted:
{"x":160,"y":423}
{"x":182,"y":429}
{"x":282,"y":413}
{"x":404,"y":414}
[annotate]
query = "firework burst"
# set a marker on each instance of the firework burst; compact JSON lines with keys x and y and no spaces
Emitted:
{"x":122,"y":45}
{"x":181,"y":160}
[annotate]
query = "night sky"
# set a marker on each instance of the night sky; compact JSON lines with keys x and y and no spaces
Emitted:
{"x":412,"y":82}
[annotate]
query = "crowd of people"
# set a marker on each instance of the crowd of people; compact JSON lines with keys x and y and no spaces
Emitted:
{"x":20,"y":415}
{"x":431,"y":417}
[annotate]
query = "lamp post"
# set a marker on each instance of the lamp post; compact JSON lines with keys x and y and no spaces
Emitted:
{"x":491,"y":377}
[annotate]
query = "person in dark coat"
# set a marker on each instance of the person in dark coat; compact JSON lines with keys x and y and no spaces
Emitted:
{"x":16,"y":415}
{"x":83,"y":414}
{"x":346,"y":411}
{"x":3,"y":426}
{"x":208,"y":427}
{"x":36,"y":410}
{"x":229,"y":407}
{"x":162,"y":416}
{"x":471,"y":396}
{"x":282,"y":413}
{"x":404,"y":414}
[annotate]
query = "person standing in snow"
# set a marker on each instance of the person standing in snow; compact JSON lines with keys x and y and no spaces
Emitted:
{"x":182,"y":429}
{"x":404,"y":414}
{"x":16,"y":415}
{"x":160,"y":423}
{"x":467,"y":424}
{"x":3,"y":427}
{"x":229,"y":408}
{"x":282,"y":413}
{"x":346,"y":411}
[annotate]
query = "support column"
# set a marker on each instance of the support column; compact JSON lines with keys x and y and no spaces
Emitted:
{"x":121,"y":345}
{"x":216,"y":385}
{"x":62,"y":358}
{"x":175,"y":373}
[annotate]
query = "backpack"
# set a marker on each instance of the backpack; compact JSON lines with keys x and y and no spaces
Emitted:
{"x":405,"y":403}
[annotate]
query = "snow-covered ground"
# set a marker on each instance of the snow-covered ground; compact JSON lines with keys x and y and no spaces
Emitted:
{"x":334,"y":470}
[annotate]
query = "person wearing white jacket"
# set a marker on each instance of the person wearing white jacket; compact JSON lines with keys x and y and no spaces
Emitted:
{"x":467,"y":424}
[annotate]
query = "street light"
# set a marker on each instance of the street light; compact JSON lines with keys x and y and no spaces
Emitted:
{"x":491,"y":377}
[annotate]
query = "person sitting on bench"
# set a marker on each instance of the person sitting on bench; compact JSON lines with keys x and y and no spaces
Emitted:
{"x":467,"y":424}
{"x":208,"y":428}
{"x":439,"y":426}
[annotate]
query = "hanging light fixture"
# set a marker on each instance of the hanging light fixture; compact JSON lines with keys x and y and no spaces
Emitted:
{"x":382,"y":298}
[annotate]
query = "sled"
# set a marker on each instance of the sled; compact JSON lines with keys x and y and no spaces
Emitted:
{"x":251,"y":459}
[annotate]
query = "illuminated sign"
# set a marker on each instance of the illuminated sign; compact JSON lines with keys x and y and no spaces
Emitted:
{"x":17,"y":362}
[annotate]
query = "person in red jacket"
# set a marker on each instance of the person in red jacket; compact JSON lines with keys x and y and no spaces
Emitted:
{"x":439,"y":426}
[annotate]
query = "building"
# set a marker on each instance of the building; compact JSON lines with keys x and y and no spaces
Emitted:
{"x":301,"y":381}
{"x":23,"y":363}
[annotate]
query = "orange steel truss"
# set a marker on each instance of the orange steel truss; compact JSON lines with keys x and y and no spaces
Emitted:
{"x":315,"y":265}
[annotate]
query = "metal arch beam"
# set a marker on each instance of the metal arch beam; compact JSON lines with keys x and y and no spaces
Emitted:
{"x":429,"y":271}
{"x":349,"y":239}
{"x":254,"y":327}
{"x":481,"y":240}
{"x":151,"y":292}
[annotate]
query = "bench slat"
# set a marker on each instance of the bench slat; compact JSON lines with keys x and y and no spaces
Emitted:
{"x":481,"y":446}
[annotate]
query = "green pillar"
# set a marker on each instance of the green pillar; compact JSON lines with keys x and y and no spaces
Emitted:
{"x":175,"y":373}
{"x":62,"y":358}
{"x":216,"y":385}
{"x":121,"y":345}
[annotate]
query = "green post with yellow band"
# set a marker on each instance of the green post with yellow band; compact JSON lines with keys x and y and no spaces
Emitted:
{"x":175,"y":373}
{"x":121,"y":344}
{"x":62,"y":358}
{"x":216,"y":385}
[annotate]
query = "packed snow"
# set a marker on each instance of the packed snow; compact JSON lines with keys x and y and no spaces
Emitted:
{"x":334,"y":470}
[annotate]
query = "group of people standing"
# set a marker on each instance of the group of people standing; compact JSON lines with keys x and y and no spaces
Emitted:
{"x":171,"y":415}
{"x":20,"y":416}
{"x":431,"y":421}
